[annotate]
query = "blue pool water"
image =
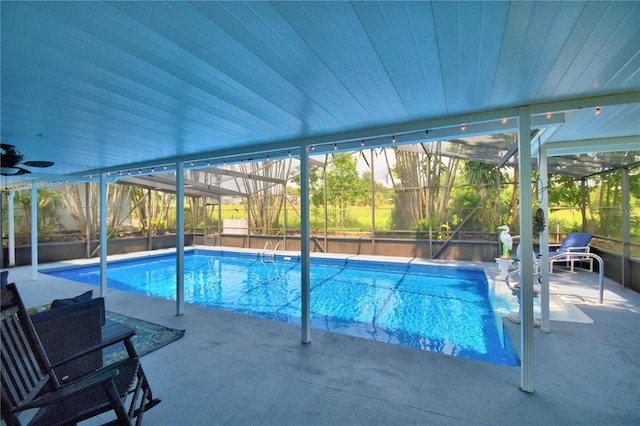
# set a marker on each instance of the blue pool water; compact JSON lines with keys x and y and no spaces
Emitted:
{"x":446,"y":310}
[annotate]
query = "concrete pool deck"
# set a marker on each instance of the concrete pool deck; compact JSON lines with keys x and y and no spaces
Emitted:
{"x":239,"y":370}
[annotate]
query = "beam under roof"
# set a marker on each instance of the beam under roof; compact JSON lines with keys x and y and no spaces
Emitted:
{"x":233,"y":173}
{"x":167,"y":183}
{"x":620,"y":144}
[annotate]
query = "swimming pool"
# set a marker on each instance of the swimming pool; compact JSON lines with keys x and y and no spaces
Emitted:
{"x":446,"y":310}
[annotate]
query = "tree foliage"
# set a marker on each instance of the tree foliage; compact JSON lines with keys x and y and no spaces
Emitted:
{"x":344,"y":186}
{"x":265,"y":195}
{"x":408,"y":179}
{"x":338,"y":185}
{"x":423,"y":182}
{"x":48,"y":203}
{"x":564,"y":191}
{"x":118,"y":196}
{"x":482,"y":179}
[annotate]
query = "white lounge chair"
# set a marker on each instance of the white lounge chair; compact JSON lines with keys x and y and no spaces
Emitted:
{"x":572,"y":251}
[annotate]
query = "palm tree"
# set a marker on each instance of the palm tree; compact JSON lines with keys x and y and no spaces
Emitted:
{"x":49,"y":201}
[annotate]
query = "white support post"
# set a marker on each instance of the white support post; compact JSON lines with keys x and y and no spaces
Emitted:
{"x":248,"y":210}
{"x":12,"y":230}
{"x":583,"y":205}
{"x":326,"y":212}
{"x":285,"y":199}
{"x":625,"y":273}
{"x":545,"y":325}
{"x":526,"y":242}
{"x":34,"y":231}
{"x":87,"y":221}
{"x":149,"y":230}
{"x":219,"y":230}
{"x":103,"y":234}
{"x":372,"y":185}
{"x":305,"y":267}
{"x":179,"y":238}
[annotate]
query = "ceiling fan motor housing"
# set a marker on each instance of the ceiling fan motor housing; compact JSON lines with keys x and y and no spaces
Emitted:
{"x":11,"y":156}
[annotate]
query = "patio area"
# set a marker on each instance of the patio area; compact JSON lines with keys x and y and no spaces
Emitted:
{"x":238,"y":370}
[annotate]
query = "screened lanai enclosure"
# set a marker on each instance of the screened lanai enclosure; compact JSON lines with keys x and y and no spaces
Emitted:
{"x":145,"y":125}
{"x":441,"y":199}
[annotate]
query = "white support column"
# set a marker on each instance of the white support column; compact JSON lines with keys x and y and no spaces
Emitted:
{"x":285,"y":199}
{"x":34,"y":231}
{"x":305,"y":266}
{"x":583,"y":204}
{"x":326,"y":212}
{"x":12,"y":229}
{"x":148,"y":224}
{"x":626,"y":228}
{"x":87,"y":214}
{"x":248,"y":210}
{"x":219,"y":230}
{"x":104,"y":237}
{"x":543,"y":198}
{"x":179,"y":238}
{"x":372,"y":185}
{"x":526,"y":242}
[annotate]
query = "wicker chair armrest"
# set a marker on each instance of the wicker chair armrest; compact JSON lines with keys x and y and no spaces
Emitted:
{"x":114,"y":332}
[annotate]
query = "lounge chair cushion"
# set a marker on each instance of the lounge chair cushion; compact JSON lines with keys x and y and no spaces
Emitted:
{"x":574,"y":239}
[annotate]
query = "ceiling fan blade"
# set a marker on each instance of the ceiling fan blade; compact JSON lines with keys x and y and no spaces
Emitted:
{"x":38,"y":163}
{"x":13,"y":171}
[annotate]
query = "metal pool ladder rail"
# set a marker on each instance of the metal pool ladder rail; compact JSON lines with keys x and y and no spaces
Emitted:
{"x":273,"y":251}
{"x":264,"y":250}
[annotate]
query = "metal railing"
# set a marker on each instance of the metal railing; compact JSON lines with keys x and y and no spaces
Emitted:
{"x":516,"y":290}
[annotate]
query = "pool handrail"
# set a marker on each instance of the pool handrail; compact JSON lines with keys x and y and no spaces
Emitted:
{"x":275,"y":249}
{"x":267,"y":244}
{"x":600,"y":275}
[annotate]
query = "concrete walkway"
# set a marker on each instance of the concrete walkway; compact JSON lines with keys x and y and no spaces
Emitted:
{"x":237,"y":370}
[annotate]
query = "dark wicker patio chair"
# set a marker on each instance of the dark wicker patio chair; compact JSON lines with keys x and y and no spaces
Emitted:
{"x":63,"y":336}
{"x":29,"y":380}
{"x":79,"y":357}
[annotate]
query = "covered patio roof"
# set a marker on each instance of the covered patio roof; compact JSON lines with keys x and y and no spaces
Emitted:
{"x":98,"y":87}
